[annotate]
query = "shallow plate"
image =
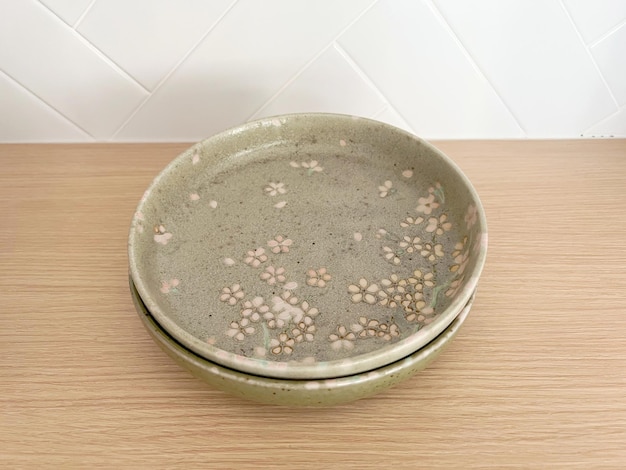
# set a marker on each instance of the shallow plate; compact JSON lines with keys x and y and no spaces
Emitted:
{"x":308,"y":246}
{"x":299,"y":392}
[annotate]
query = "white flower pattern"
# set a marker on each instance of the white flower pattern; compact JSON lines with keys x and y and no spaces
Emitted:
{"x":161,"y":235}
{"x":239,"y":330}
{"x":317,"y":277}
{"x":342,"y":339}
{"x":274,"y":189}
{"x":385,"y":189}
{"x":232,"y":295}
{"x":280,"y":244}
{"x":363,"y":292}
{"x":427,"y":204}
{"x":256,"y":257}
{"x":273,"y":275}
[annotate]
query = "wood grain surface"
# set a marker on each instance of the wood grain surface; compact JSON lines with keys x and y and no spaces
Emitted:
{"x":536,"y":378}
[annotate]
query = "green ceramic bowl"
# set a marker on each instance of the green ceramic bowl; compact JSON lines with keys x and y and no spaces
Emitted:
{"x":298,"y":392}
{"x":309,"y":246}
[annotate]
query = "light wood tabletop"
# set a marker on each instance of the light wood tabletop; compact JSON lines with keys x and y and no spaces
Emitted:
{"x":535,"y":379}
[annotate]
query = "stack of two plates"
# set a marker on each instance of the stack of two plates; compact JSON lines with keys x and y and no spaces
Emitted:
{"x":307,"y":259}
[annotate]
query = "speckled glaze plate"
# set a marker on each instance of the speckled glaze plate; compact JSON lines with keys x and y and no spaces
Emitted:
{"x":308,"y":246}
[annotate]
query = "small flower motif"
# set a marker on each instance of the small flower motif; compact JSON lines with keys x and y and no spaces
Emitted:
{"x":239,"y":330}
{"x":386,"y":189}
{"x":412,"y":284}
{"x":366,"y":327}
{"x":381,"y":233}
{"x":427,"y":279}
{"x":459,"y":246}
{"x":410,"y":244}
{"x":471,"y":216}
{"x":460,"y":256}
{"x":317,"y":278}
{"x":413,"y":302}
{"x":275,"y":188}
{"x":426,"y":315}
{"x":407,"y":173}
{"x":254,"y":258}
{"x":432,"y":252}
{"x":460,"y":261}
{"x":363,"y":292}
{"x":373,"y":328}
{"x":289,"y":298}
{"x":433,"y":189}
{"x":343,"y":339}
{"x":413,"y":305}
{"x":254,"y":309}
{"x":438,"y":225}
{"x":391,"y":255}
{"x":161,"y":235}
{"x":231,"y":295}
{"x":389,"y":300}
{"x":392,"y":285}
{"x":169,"y":286}
{"x":285,"y":309}
{"x":304,"y":331}
{"x":308,"y":310}
{"x":455,"y":286}
{"x":411,"y":221}
{"x":283,"y":345}
{"x":277,"y":319}
{"x":273,"y":275}
{"x":387,"y":332}
{"x":280,"y":244}
{"x":427,"y":204}
{"x":312,"y":166}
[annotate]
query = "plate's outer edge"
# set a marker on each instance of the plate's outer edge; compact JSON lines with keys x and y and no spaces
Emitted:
{"x":325,"y":369}
{"x":312,"y":393}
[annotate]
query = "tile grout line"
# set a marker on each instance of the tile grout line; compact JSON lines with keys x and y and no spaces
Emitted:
{"x":85,"y":42}
{"x":605,"y":118}
{"x":363,"y":76}
{"x":290,"y":80}
{"x":171,"y":72}
{"x":44,"y":102}
{"x":591,"y":57}
{"x":382,"y":109}
{"x":604,"y":36}
{"x":83,"y":15}
{"x":455,"y":37}
{"x":53,"y":12}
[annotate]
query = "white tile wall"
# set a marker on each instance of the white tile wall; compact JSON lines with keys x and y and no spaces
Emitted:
{"x":169,"y":70}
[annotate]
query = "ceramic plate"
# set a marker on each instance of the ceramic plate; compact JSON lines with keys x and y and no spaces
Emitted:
{"x":308,"y":246}
{"x":319,"y":392}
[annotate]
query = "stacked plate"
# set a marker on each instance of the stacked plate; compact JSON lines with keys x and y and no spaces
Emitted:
{"x":307,"y":259}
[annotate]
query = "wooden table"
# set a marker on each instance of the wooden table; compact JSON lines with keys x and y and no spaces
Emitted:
{"x":536,"y":378}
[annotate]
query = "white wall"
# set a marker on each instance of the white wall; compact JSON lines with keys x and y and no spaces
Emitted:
{"x":172,"y":70}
